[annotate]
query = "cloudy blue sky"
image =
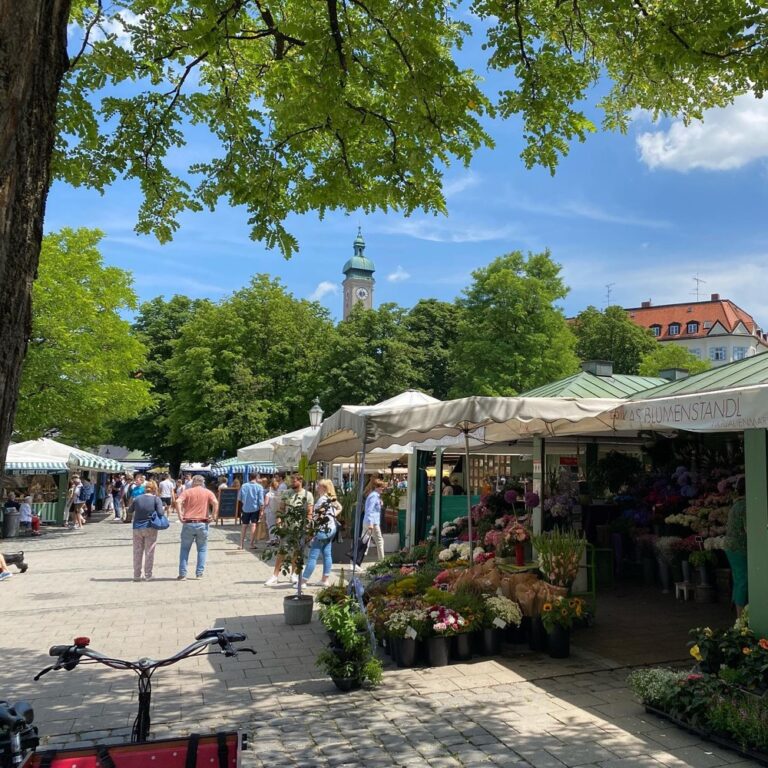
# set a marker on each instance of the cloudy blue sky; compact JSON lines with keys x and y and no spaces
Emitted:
{"x":646,"y":212}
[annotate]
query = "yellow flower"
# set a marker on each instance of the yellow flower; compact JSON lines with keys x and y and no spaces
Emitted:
{"x":696,"y":653}
{"x":564,"y":612}
{"x":547,"y":607}
{"x":746,"y":651}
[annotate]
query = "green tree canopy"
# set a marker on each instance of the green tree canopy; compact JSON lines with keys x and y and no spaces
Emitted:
{"x":671,"y":58}
{"x":611,"y":335}
{"x":158,"y":325}
{"x":369,"y":358}
{"x":433,"y":327}
{"x":511,"y":336}
{"x":83,"y":362}
{"x":671,"y":356}
{"x":245,"y":369}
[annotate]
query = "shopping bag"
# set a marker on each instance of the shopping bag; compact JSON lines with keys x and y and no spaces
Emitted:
{"x":362,"y":549}
{"x":261,"y":530}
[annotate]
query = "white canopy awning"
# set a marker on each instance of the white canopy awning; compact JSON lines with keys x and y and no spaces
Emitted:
{"x":46,"y":454}
{"x":725,"y":410}
{"x":485,"y":419}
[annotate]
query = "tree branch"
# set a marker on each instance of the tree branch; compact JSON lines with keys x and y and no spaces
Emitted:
{"x":333,"y":20}
{"x":87,"y":35}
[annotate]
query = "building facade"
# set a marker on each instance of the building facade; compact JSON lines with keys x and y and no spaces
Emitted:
{"x":716,"y":330}
{"x":358,"y":278}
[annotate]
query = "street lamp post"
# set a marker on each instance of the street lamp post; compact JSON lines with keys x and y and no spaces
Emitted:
{"x":315,"y":413}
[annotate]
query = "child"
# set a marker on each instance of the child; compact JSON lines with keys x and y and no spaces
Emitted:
{"x":25,"y":521}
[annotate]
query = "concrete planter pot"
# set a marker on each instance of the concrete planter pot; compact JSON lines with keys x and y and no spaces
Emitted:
{"x":298,"y":610}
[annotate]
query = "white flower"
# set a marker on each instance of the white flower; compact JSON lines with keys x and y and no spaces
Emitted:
{"x":445,"y":555}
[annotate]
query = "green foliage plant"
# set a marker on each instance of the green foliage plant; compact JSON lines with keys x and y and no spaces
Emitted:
{"x":655,"y":686}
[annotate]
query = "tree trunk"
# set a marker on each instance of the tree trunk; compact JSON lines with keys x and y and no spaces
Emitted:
{"x":33,"y":59}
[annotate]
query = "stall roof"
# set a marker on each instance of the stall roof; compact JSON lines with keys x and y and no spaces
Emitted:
{"x":585,"y":384}
{"x":750,"y":372}
{"x":236,"y":465}
{"x":56,"y":457}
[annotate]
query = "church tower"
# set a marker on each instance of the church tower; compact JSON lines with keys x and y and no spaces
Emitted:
{"x":358,"y":278}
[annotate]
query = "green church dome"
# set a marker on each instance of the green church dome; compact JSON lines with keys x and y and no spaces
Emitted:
{"x":359,"y":262}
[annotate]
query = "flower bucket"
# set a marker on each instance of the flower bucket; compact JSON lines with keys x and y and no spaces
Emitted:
{"x":664,"y":576}
{"x":437,"y":651}
{"x":686,"y":568}
{"x":519,"y":553}
{"x":537,"y":638}
{"x":461,"y":646}
{"x":491,"y":641}
{"x":298,"y":610}
{"x":517,"y":635}
{"x":559,"y":642}
{"x":405,"y":652}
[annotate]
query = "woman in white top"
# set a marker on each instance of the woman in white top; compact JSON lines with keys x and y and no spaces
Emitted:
{"x":326,"y":507}
{"x":272,"y":506}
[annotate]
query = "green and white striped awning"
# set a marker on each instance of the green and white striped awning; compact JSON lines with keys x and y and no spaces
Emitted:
{"x":46,"y":455}
{"x":236,"y":465}
{"x":85,"y":460}
{"x":31,"y":467}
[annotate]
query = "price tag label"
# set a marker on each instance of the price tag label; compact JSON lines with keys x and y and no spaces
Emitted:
{"x":411,"y":633}
{"x":499,"y":623}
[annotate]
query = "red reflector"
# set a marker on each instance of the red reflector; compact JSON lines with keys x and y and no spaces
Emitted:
{"x":81,"y":642}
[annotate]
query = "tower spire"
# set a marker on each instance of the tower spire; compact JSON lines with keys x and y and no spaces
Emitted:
{"x":359,"y":242}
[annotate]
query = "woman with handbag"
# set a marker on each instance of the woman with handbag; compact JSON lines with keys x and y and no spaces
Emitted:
{"x":147,"y":512}
{"x":324,"y":514}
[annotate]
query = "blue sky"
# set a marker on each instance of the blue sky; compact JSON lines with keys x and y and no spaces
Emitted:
{"x":646,"y":211}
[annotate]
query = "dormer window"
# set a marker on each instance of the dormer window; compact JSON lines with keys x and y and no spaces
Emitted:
{"x":693,"y":327}
{"x":674,"y":329}
{"x":656,"y":330}
{"x":707,"y":325}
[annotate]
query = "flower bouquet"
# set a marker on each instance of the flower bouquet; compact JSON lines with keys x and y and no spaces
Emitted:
{"x":557,"y":617}
{"x":442,"y":621}
{"x":559,"y":555}
{"x":403,"y":628}
{"x":500,"y":612}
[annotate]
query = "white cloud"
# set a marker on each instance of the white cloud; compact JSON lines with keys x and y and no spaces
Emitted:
{"x":399,"y":275}
{"x":572,"y":209}
{"x":459,"y":184}
{"x":727,"y":138}
{"x":447,"y":231}
{"x":323,"y":289}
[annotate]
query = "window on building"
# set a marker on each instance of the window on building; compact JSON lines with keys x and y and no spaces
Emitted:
{"x":739,"y":353}
{"x":656,"y":330}
{"x":707,"y":325}
{"x":674,"y":329}
{"x":693,"y":328}
{"x":717,"y":354}
{"x":696,"y":352}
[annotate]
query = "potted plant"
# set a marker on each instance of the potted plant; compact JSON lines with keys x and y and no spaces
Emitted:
{"x":293,"y":530}
{"x":665,"y":554}
{"x":405,"y":627}
{"x":701,"y":560}
{"x":557,"y":617}
{"x":499,"y":613}
{"x":349,"y":658}
{"x":333,"y":593}
{"x":441,"y":624}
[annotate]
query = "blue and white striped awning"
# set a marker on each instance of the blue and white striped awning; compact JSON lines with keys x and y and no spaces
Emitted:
{"x":235,"y":465}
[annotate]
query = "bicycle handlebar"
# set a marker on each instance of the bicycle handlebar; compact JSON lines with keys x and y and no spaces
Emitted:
{"x":69,"y":656}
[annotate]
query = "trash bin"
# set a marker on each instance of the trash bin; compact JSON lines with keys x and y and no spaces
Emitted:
{"x":11,"y":518}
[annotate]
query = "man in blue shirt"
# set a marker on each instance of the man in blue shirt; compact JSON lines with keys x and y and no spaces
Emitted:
{"x":251,"y":504}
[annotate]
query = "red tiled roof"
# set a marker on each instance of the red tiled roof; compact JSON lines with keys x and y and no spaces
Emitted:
{"x":722,"y":311}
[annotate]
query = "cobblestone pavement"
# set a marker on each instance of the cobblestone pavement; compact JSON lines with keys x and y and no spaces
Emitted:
{"x":519,"y":710}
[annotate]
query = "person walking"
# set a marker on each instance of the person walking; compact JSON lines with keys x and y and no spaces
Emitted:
{"x":252,"y":502}
{"x":117,"y":495}
{"x":272,"y":505}
{"x":297,"y":498}
{"x":196,"y":507}
{"x":372,"y":518}
{"x":736,"y":547}
{"x":76,"y":502}
{"x":89,"y":493}
{"x":167,"y":491}
{"x":324,"y":515}
{"x":144,"y":536}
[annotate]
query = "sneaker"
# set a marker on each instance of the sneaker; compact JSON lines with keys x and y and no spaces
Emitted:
{"x":137,"y":578}
{"x":294,"y":579}
{"x":199,"y":575}
{"x":148,"y":578}
{"x":181,"y":578}
{"x":271,"y":581}
{"x":5,"y":575}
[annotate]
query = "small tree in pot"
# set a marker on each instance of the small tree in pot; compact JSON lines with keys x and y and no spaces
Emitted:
{"x":294,"y":529}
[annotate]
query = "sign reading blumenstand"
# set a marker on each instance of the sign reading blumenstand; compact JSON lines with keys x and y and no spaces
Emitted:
{"x":228,"y":504}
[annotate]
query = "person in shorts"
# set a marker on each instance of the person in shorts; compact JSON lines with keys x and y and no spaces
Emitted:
{"x":252,"y":502}
{"x":167,"y":492}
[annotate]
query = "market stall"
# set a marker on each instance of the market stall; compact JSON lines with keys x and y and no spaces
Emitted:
{"x":41,"y":469}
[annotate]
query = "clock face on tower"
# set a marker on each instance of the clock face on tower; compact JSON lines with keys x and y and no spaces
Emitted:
{"x":361,"y":293}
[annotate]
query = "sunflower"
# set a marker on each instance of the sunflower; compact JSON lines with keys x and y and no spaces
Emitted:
{"x":746,"y":651}
{"x":564,"y":612}
{"x":547,"y":607}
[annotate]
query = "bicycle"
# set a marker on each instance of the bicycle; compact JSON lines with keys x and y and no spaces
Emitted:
{"x":71,"y":656}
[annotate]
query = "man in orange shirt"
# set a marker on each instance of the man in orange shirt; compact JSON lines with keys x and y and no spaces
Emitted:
{"x":196,"y":506}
